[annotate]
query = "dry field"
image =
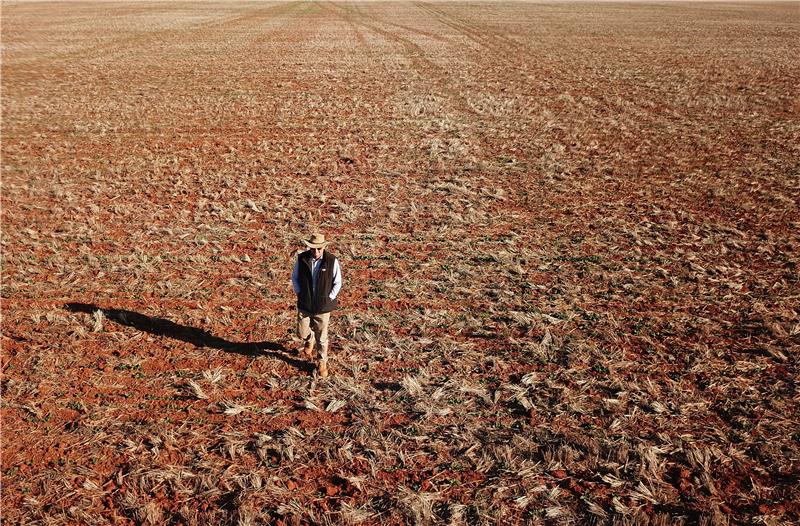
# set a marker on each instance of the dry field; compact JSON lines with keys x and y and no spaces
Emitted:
{"x":568,"y":233}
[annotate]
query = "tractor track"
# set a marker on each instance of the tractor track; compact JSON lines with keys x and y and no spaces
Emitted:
{"x":502,"y":47}
{"x":416,"y":55}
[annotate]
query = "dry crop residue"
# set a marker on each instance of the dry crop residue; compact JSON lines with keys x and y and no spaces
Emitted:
{"x":568,"y":232}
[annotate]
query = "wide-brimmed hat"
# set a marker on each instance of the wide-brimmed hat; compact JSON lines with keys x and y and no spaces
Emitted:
{"x":317,"y":241}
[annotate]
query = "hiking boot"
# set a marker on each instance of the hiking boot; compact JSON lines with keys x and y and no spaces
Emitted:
{"x":323,"y":369}
{"x":308,"y":351}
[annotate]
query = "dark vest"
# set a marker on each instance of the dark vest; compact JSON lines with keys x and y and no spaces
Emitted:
{"x":307,"y":300}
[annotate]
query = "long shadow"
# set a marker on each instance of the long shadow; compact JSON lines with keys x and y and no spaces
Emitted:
{"x":195,"y":336}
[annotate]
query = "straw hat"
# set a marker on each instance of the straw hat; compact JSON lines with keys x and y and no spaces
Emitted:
{"x":317,"y":241}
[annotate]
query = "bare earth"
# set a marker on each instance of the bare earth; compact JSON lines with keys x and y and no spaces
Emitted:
{"x":569,"y":234}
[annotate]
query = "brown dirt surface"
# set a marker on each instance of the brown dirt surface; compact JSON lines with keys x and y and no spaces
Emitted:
{"x":569,"y":234}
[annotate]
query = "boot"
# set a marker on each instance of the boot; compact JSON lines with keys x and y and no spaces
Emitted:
{"x":323,"y":369}
{"x":308,"y":351}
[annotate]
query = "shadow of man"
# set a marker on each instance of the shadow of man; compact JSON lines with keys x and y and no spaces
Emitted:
{"x":193,"y":335}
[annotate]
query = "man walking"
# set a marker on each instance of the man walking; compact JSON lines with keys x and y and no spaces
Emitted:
{"x":317,"y":279}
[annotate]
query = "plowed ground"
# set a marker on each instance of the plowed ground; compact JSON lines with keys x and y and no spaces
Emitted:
{"x":568,"y":234}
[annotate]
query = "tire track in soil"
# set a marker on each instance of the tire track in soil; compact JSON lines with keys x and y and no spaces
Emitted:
{"x":503,"y":47}
{"x":614,"y":100}
{"x":501,"y":50}
{"x":478,"y":34}
{"x":363,"y":44}
{"x":415,"y":54}
{"x":417,"y":57}
{"x":256,"y":19}
{"x":499,"y":53}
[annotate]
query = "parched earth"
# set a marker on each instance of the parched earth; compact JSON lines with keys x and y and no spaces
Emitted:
{"x":569,"y":235}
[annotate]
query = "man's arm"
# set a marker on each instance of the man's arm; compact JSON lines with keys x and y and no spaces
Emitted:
{"x":296,"y":276}
{"x":337,"y":280}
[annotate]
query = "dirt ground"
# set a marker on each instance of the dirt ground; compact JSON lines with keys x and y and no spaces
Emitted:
{"x":569,"y":235}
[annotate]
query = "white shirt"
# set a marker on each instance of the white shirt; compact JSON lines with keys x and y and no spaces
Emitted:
{"x":337,"y":277}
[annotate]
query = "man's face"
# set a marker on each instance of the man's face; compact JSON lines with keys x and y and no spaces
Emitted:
{"x":317,"y":252}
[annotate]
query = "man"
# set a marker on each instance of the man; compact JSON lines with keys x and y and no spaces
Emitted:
{"x":317,"y":280}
